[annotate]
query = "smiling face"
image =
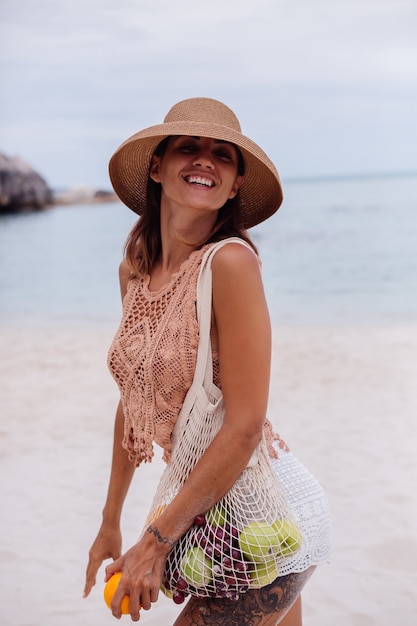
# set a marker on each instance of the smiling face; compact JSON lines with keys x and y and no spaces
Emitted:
{"x":197,"y":172}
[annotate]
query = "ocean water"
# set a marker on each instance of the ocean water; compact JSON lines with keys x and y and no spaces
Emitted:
{"x":338,"y":251}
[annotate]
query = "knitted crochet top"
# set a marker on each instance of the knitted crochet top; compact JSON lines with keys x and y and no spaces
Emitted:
{"x":153,"y":356}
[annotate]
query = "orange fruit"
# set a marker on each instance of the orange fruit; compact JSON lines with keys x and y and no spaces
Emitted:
{"x":155,"y":514}
{"x":110,"y":590}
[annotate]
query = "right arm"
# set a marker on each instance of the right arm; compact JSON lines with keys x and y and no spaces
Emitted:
{"x":108,"y":543}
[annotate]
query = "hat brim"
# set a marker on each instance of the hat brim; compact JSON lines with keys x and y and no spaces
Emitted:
{"x":260,"y":194}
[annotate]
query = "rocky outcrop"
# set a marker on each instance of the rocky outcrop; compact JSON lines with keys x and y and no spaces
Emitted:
{"x":21,"y":187}
{"x":81,"y":194}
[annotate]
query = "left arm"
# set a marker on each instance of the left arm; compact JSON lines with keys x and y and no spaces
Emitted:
{"x":244,"y":343}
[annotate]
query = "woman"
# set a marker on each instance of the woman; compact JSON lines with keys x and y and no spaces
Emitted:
{"x":194,"y":180}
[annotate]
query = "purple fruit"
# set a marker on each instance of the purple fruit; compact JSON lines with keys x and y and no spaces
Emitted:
{"x":217,"y":570}
{"x":239,"y":566}
{"x":211,"y":532}
{"x":175,"y":576}
{"x":178,"y":597}
{"x":221,"y":590}
{"x":236,"y":554}
{"x":209,"y":550}
{"x":233,"y":595}
{"x":218,"y":549}
{"x":200,"y":539}
{"x":220,"y":532}
{"x":182,"y":584}
{"x":234,"y":532}
{"x":227,"y":562}
{"x":199,"y":520}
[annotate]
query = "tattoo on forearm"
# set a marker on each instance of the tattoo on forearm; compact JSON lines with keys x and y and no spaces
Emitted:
{"x":161,"y":539}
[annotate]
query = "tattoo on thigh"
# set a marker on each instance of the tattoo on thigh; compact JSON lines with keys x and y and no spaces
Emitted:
{"x":255,"y":608}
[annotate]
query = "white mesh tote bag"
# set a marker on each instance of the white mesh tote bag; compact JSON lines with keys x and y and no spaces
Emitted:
{"x":244,"y":540}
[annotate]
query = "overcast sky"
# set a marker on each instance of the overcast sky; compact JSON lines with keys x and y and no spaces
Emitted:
{"x":326,"y":87}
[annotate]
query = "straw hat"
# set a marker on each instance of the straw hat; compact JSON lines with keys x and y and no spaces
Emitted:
{"x":259,"y":196}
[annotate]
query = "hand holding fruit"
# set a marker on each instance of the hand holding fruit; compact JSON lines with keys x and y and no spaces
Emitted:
{"x":110,"y":590}
{"x":142,"y":566}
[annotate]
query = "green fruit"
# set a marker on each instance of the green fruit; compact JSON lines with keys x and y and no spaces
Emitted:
{"x":263,"y":574}
{"x":216,"y":516}
{"x":165,"y":591}
{"x":289,"y":536}
{"x":196,"y":568}
{"x":259,"y":541}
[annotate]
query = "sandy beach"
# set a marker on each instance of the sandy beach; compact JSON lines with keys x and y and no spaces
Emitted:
{"x":345,"y":400}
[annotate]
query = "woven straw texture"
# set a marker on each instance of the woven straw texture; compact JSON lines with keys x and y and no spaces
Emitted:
{"x":260,"y":194}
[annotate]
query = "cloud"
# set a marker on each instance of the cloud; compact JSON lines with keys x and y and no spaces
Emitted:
{"x":324,"y":79}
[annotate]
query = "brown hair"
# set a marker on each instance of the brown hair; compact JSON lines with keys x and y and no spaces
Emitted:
{"x":143,"y":244}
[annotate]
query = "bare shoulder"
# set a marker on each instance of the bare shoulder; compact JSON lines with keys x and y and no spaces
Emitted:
{"x":235,"y":259}
{"x":236,"y":277}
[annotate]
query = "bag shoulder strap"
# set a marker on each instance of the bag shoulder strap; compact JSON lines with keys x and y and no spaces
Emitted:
{"x":204,"y":364}
{"x":203,"y":373}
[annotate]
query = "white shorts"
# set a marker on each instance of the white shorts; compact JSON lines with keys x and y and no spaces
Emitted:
{"x":310,"y":508}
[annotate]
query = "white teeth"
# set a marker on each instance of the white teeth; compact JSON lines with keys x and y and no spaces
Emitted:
{"x":200,"y":181}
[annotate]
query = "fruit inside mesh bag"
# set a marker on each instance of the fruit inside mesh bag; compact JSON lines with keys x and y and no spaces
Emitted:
{"x":218,"y":559}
